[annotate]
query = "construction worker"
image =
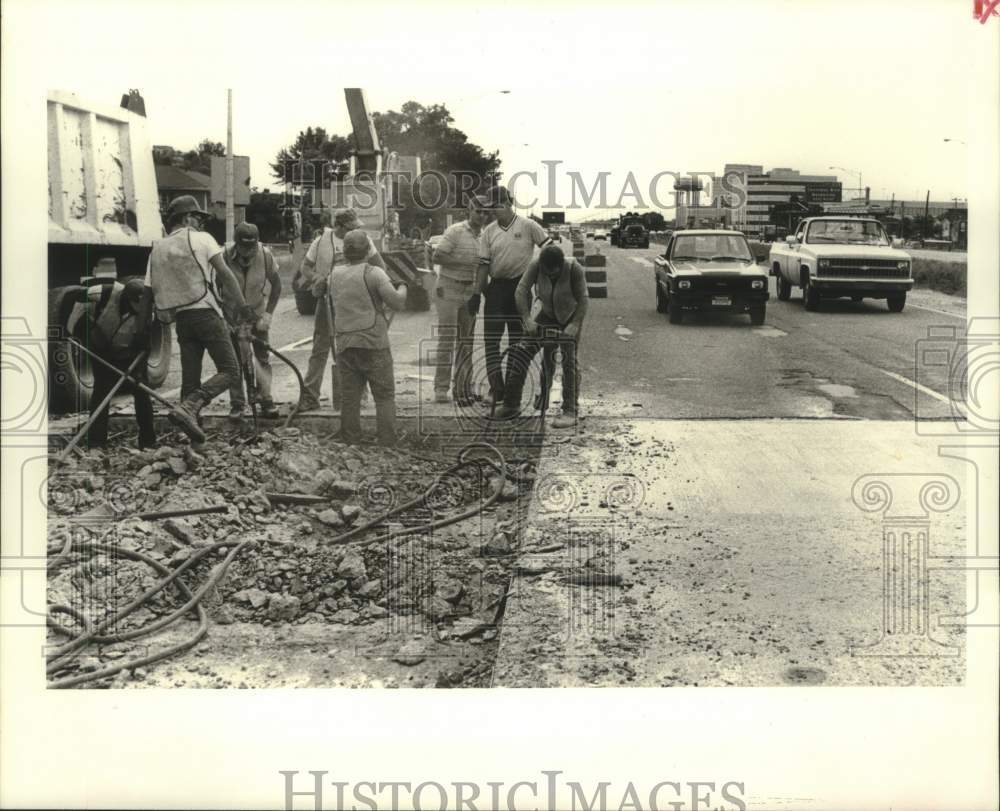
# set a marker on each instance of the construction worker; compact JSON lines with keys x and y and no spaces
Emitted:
{"x":183,"y":279}
{"x":110,"y":328}
{"x":254,"y":266}
{"x":560,"y":286}
{"x":319,"y":261}
{"x":505,"y":250}
{"x":361,"y":292}
{"x":458,"y":255}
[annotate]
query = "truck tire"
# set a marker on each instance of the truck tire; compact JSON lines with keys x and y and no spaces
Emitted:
{"x":810,"y":295}
{"x":305,"y":302}
{"x":71,"y":380}
{"x":896,"y":302}
{"x":645,"y":244}
{"x":661,"y":300}
{"x":757,"y":314}
{"x":161,"y":345}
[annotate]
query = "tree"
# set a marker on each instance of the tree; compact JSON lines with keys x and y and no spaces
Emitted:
{"x":200,"y":159}
{"x":312,"y":146}
{"x":427,"y":132}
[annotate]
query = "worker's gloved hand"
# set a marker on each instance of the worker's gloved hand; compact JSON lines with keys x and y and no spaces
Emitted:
{"x":530,"y":326}
{"x":473,"y":304}
{"x":572,"y":330}
{"x":264,"y":322}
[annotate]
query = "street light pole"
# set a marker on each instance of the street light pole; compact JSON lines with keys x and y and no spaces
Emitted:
{"x":861,"y":185}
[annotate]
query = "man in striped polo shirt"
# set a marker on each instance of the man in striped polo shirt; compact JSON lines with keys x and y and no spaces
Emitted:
{"x":458,"y":256}
{"x":506,"y":248}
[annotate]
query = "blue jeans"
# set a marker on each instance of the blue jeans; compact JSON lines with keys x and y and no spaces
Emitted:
{"x":197,"y":331}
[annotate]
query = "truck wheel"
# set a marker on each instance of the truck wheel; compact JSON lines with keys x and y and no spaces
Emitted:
{"x":784,"y":289}
{"x":661,"y":300}
{"x":161,"y":346}
{"x":645,"y":244}
{"x":674,"y":313}
{"x":896,"y":302}
{"x":757,"y":313}
{"x":71,"y":380}
{"x":810,"y":296}
{"x":305,"y":302}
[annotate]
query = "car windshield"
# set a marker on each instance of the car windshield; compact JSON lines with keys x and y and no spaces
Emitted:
{"x":711,"y":247}
{"x":846,"y":232}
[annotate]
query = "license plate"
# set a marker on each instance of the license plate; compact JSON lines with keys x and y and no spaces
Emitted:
{"x":722,"y":301}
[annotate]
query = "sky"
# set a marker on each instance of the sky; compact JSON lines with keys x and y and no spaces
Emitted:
{"x":684,"y":87}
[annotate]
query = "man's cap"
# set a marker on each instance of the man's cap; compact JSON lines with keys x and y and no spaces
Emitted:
{"x":551,"y":257}
{"x":134,"y":289}
{"x":499,"y":196}
{"x":246,"y":233}
{"x":346,"y":217}
{"x":356,"y":244}
{"x":185,"y":204}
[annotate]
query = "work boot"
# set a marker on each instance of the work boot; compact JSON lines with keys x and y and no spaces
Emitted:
{"x":506,"y":412}
{"x":267,"y":410}
{"x":235,"y":413}
{"x":441,"y":396}
{"x":565,"y":420}
{"x":185,"y":416}
{"x":308,"y":404}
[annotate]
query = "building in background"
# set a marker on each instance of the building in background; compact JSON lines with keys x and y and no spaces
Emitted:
{"x":751,"y":195}
{"x":172,"y":182}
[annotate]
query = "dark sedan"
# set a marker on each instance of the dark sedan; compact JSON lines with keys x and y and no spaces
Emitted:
{"x":710,"y":270}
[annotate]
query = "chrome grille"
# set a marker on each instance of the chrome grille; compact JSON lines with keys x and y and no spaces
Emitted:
{"x":865,"y":269}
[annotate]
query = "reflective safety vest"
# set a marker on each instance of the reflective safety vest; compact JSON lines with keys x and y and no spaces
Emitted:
{"x":357,"y":311}
{"x":177,"y":277}
{"x":326,"y":253}
{"x":117,"y":325}
{"x":253,"y":277}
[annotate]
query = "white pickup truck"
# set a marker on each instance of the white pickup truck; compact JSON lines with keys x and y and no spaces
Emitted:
{"x":833,"y":257}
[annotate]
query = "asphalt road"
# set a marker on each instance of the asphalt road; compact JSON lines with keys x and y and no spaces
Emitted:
{"x":847,"y":360}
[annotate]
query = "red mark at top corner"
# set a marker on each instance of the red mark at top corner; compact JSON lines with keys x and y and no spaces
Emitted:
{"x":982,"y":10}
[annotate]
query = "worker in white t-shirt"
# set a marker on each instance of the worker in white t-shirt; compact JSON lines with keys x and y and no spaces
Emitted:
{"x":183,"y":279}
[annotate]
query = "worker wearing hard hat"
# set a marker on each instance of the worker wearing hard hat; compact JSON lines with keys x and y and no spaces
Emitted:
{"x":183,"y":279}
{"x":325,"y":251}
{"x":254,"y":267}
{"x":110,"y":327}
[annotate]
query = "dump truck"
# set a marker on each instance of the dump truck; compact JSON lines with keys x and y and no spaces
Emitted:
{"x":104,"y":215}
{"x":630,"y":232}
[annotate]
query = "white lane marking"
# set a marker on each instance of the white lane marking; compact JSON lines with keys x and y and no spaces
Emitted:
{"x":923,"y":389}
{"x":933,"y":310}
{"x":642,"y":260}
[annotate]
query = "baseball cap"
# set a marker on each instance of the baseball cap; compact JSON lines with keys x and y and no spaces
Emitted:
{"x":246,"y":233}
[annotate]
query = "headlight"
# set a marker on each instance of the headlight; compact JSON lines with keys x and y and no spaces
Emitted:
{"x":683,"y":284}
{"x":824,"y":263}
{"x":903,"y":265}
{"x":757,"y":284}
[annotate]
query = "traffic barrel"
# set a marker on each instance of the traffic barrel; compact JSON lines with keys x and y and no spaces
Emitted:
{"x":597,"y":282}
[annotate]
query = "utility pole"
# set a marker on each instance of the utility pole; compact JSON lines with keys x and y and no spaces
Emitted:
{"x":927,"y":210}
{"x":230,"y":208}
